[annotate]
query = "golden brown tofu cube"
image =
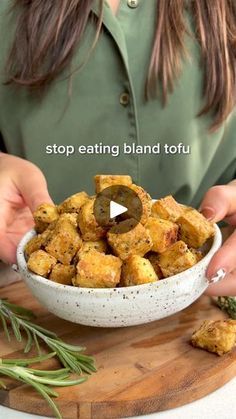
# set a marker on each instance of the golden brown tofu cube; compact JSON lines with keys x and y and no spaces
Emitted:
{"x":146,"y":201}
{"x":97,"y":270}
{"x":134,"y":242}
{"x":137,"y":270}
{"x":153,"y":257}
{"x":71,"y":217}
{"x":177,"y":258}
{"x":167,"y":208}
{"x":73,"y":203}
{"x":163,"y":233}
{"x":199,"y":255}
{"x":64,"y":242}
{"x":44,"y":215}
{"x":63,"y":274}
{"x":218,"y":336}
{"x":105,"y":181}
{"x":100,"y":246}
{"x":90,"y":229}
{"x":41,"y":263}
{"x":33,"y":245}
{"x":194,"y":228}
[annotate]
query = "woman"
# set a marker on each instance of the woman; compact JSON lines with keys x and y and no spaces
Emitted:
{"x":84,"y":72}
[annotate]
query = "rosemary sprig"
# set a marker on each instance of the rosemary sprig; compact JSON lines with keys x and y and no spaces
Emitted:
{"x":227,"y":304}
{"x":19,"y":318}
{"x":40,"y":380}
{"x":71,"y":356}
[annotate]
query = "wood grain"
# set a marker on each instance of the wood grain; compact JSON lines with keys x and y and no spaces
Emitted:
{"x":141,"y":369}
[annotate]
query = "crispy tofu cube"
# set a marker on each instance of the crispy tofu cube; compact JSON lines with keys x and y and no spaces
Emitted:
{"x":194,"y":228}
{"x":134,"y":242}
{"x":97,"y":270}
{"x":163,"y":233}
{"x":218,"y":336}
{"x":73,"y":203}
{"x":71,"y":217}
{"x":64,"y":242}
{"x":41,"y":263}
{"x":90,"y":229}
{"x":99,"y":245}
{"x":39,"y":241}
{"x":137,"y":270}
{"x":177,"y":258}
{"x":44,"y":215}
{"x":167,"y":208}
{"x":105,"y":181}
{"x":33,"y":245}
{"x":199,"y":255}
{"x":63,"y":274}
{"x":146,"y":201}
{"x":153,"y":257}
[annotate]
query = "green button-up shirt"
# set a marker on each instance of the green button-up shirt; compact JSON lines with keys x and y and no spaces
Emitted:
{"x":107,"y":107}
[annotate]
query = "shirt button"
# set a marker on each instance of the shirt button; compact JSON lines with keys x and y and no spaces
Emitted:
{"x":132,"y":3}
{"x":124,"y":99}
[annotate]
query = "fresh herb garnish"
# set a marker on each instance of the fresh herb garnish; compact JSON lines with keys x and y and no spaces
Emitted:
{"x":72,"y":358}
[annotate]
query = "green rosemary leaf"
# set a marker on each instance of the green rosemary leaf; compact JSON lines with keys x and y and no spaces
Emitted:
{"x":16,"y":328}
{"x":5,"y":328}
{"x":59,"y":383}
{"x":228,"y":304}
{"x":43,"y":393}
{"x":36,"y":343}
{"x":25,"y":362}
{"x":20,"y":310}
{"x":41,"y":329}
{"x":69,"y":360}
{"x":72,"y":348}
{"x":29,"y":343}
{"x":54,"y":373}
{"x":69,"y":355}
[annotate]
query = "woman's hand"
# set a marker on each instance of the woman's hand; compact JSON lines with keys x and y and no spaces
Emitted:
{"x":219,"y":204}
{"x":22,"y":188}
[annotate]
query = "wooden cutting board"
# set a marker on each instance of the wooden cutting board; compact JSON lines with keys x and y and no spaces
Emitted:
{"x":141,"y":369}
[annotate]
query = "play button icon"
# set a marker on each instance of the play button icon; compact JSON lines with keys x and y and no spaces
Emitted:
{"x":116,"y":209}
{"x":115,"y":204}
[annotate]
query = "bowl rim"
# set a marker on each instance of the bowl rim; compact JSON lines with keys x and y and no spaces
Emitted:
{"x":22,"y":266}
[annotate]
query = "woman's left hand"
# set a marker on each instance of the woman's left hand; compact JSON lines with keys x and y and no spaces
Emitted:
{"x":219,"y":204}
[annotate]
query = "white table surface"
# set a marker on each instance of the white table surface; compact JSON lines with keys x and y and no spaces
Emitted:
{"x":219,"y":404}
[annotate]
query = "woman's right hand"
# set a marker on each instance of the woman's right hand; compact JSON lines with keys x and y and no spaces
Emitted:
{"x":22,"y":188}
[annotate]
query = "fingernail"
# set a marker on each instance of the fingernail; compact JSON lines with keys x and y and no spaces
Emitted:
{"x":208,"y":213}
{"x":218,"y":276}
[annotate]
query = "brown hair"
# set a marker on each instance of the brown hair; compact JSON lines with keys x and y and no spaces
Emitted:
{"x":48,"y":32}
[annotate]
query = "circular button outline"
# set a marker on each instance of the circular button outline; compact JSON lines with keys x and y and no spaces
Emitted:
{"x":132,"y":3}
{"x":124,"y":196}
{"x":124,"y":98}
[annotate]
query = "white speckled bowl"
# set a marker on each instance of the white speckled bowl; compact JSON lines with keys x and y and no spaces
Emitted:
{"x":116,"y":307}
